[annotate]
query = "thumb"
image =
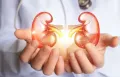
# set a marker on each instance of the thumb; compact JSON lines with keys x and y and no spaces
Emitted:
{"x":114,"y":41}
{"x":109,"y":40}
{"x":23,"y":34}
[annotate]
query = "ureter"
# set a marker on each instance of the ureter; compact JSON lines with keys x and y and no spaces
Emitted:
{"x":17,"y":13}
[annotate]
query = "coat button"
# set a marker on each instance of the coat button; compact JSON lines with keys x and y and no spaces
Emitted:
{"x":84,"y":4}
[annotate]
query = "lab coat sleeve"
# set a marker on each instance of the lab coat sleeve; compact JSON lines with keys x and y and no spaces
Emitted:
{"x":96,"y":73}
{"x":7,"y":13}
{"x":10,"y":65}
{"x":10,"y":46}
{"x":8,"y":58}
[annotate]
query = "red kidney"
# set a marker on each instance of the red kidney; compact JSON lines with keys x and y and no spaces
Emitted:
{"x":41,"y":30}
{"x":87,"y":31}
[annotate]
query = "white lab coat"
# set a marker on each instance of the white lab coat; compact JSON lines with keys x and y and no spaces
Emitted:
{"x":107,"y":12}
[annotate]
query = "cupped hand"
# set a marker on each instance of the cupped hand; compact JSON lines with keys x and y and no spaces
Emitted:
{"x":46,"y":58}
{"x":92,"y":57}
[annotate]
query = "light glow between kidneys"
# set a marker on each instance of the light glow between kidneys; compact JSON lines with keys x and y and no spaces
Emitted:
{"x":65,"y":40}
{"x":47,"y":34}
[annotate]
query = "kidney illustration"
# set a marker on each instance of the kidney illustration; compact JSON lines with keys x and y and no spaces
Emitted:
{"x":43,"y":31}
{"x":87,"y":31}
{"x":46,"y":34}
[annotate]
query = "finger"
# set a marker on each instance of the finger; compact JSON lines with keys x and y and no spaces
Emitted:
{"x":67,"y":66}
{"x":85,"y":64}
{"x":114,"y":41}
{"x":35,"y":53}
{"x":28,"y":51}
{"x":59,"y":68}
{"x":97,"y":58}
{"x":74,"y":64}
{"x":109,"y":40}
{"x":24,"y":34}
{"x":49,"y":67}
{"x":40,"y":59}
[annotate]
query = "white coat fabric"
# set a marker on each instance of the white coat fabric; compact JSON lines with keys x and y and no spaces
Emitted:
{"x":106,"y":11}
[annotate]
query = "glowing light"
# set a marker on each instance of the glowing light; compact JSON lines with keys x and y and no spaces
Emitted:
{"x":74,"y":30}
{"x":65,"y":40}
{"x":54,"y":29}
{"x":48,"y":34}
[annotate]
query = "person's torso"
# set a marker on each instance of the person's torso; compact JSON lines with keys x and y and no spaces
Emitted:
{"x":107,"y":13}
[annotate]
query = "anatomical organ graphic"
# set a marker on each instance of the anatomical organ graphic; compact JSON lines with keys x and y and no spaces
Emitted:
{"x":47,"y":34}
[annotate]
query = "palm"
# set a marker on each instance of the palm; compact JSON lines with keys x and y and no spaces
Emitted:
{"x":105,"y":41}
{"x":101,"y":46}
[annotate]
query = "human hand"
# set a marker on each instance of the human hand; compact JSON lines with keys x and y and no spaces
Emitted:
{"x":92,"y":57}
{"x":46,"y":58}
